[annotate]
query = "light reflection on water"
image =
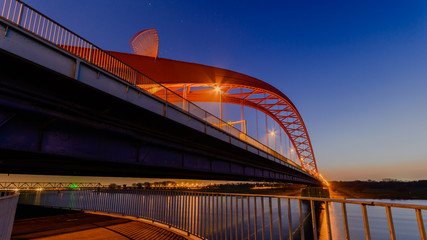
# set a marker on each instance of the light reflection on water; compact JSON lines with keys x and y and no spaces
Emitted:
{"x":405,"y":221}
{"x":138,"y":204}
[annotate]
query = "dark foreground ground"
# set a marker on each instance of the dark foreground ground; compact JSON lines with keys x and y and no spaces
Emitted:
{"x":34,"y":222}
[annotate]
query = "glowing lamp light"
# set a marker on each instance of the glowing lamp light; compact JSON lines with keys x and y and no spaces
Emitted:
{"x":217,"y":89}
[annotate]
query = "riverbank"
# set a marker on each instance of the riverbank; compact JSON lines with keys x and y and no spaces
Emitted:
{"x":379,"y":190}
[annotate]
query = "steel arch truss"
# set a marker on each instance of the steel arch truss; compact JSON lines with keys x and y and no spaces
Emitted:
{"x":268,"y":102}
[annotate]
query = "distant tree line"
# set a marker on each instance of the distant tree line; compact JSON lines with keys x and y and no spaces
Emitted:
{"x":387,"y":188}
{"x":143,"y":185}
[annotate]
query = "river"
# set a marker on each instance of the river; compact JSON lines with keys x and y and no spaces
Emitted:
{"x":405,"y":221}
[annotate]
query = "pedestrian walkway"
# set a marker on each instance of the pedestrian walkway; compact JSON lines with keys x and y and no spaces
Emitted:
{"x":88,"y":226}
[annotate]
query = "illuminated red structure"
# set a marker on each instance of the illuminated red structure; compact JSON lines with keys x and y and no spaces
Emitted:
{"x":145,"y":43}
{"x":201,"y":83}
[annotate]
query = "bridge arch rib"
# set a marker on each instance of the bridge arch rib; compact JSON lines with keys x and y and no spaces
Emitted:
{"x":196,"y":83}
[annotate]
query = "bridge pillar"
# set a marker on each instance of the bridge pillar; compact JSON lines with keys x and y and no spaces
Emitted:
{"x":315,"y":192}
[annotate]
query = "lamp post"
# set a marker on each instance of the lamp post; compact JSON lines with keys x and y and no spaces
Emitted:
{"x":218,"y":89}
{"x":273,"y":133}
{"x":290,"y":152}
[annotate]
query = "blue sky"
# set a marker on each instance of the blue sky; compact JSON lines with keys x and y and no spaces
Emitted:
{"x":356,"y":70}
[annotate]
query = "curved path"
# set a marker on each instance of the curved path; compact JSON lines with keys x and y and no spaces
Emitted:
{"x":78,"y":225}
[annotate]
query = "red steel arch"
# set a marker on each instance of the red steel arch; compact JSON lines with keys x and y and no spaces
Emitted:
{"x":196,"y":83}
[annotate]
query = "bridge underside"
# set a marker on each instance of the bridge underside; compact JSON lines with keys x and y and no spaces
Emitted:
{"x":51,"y":124}
{"x":63,"y":116}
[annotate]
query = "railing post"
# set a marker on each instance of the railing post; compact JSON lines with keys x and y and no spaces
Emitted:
{"x":237,"y":216}
{"x":242,"y":217}
{"x":328,"y":220}
{"x":279,"y":213}
{"x":271,"y":217}
{"x":366,"y":222}
{"x":262,"y":217}
{"x":255,"y":217}
{"x":217,"y":217}
{"x":226,"y":213}
{"x":301,"y":218}
{"x":221,"y":215}
{"x":421,"y":224}
{"x":210,"y":213}
{"x":248,"y":217}
{"x":231,"y":216}
{"x":290,"y":219}
{"x":20,"y":14}
{"x":313,"y":218}
{"x":390,"y":223}
{"x":90,"y":53}
{"x":345,"y":220}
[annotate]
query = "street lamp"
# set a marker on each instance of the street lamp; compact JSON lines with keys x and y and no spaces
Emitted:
{"x":290,"y":152}
{"x":273,"y":133}
{"x":218,"y":89}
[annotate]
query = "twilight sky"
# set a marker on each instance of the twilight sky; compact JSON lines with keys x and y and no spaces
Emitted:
{"x":356,"y":70}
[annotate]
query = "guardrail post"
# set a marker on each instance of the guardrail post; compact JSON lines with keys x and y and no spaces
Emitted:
{"x":20,"y":14}
{"x":301,"y":218}
{"x":390,"y":223}
{"x":255,"y":217}
{"x":279,"y":212}
{"x":231,"y":216}
{"x":262,"y":217}
{"x":290,"y":219}
{"x":345,"y":220}
{"x":328,"y":220}
{"x":237,"y":215}
{"x":248,"y":217}
{"x":421,"y":224}
{"x":90,"y":53}
{"x":366,"y":222}
{"x":313,"y":219}
{"x":271,"y":217}
{"x":242,"y":216}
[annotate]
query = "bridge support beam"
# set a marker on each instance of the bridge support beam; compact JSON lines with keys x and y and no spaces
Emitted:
{"x":56,"y":118}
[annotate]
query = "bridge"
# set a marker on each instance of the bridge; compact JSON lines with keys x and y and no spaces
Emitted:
{"x":68,"y":107}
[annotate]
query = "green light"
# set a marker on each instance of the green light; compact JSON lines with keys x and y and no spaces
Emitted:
{"x":73,"y":186}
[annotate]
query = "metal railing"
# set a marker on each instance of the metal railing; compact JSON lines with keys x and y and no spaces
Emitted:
{"x":36,"y":23}
{"x":47,"y":185}
{"x":8,"y":202}
{"x":241,"y":216}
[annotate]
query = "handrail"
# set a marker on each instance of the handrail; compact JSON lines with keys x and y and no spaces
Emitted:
{"x":8,"y":203}
{"x":38,"y":24}
{"x":212,"y":215}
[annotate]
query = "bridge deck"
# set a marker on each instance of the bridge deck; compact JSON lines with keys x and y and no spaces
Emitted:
{"x":87,"y":226}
